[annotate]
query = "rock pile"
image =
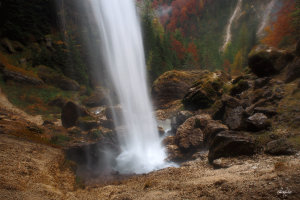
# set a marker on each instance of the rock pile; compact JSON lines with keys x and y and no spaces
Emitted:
{"x":228,"y":121}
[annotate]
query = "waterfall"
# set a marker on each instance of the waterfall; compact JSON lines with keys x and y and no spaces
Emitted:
{"x":228,"y":34}
{"x":266,"y":18}
{"x":122,"y":48}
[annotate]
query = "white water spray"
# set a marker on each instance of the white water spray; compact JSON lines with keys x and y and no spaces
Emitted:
{"x":266,"y":18}
{"x":228,"y":34}
{"x":141,"y":149}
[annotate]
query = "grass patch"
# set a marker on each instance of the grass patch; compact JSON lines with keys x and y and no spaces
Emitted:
{"x":6,"y":62}
{"x":33,"y":99}
{"x":59,"y":140}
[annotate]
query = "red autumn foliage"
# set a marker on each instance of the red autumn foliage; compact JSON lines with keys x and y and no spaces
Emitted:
{"x":178,"y":47}
{"x":192,"y":49}
{"x":226,"y":65}
{"x":282,"y":27}
{"x":182,"y":13}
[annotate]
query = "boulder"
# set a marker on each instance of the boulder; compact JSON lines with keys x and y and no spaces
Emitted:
{"x":169,"y":140}
{"x":20,"y":75}
{"x":261,"y":82}
{"x":205,"y":91}
{"x":197,"y":98}
{"x":231,"y":111}
{"x":71,"y":113}
{"x":239,"y":87}
{"x":266,"y":61}
{"x":217,"y":110}
{"x":269,"y":112}
{"x":202,"y":120}
{"x":180,"y":119}
{"x":173,"y":85}
{"x":257,"y":122}
{"x":189,"y":135}
{"x":98,"y":98}
{"x":51,"y":77}
{"x":279,"y":147}
{"x":230,"y":102}
{"x":211,"y":130}
{"x":234,"y":117}
{"x":227,"y":144}
{"x":226,"y":104}
{"x":293,"y":71}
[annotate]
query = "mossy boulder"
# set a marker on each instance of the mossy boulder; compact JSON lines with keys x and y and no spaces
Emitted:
{"x":56,"y":79}
{"x":173,"y":85}
{"x":18,"y":74}
{"x":97,"y":98}
{"x":266,"y":61}
{"x":206,"y":90}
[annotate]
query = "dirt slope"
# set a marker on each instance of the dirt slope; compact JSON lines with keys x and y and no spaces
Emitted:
{"x":5,"y":104}
{"x":34,"y":171}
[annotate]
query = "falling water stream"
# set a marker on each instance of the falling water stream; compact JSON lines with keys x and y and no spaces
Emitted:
{"x":266,"y":17}
{"x":228,"y":33}
{"x":122,"y":48}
